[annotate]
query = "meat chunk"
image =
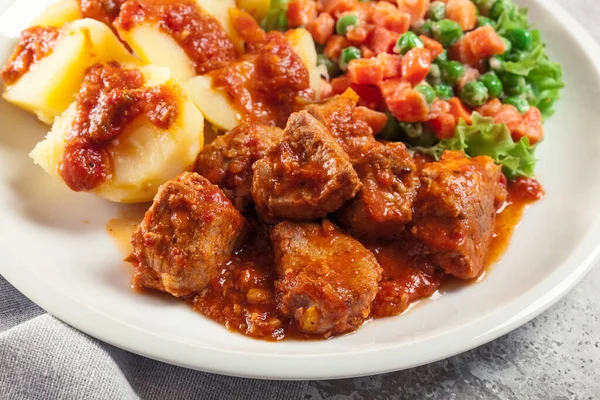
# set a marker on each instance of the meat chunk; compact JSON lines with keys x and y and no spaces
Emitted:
{"x":346,"y":123}
{"x":227,"y":161}
{"x":307,"y":176}
{"x":383,"y":206}
{"x":455,"y":211}
{"x":326,"y":279}
{"x":188,"y":232}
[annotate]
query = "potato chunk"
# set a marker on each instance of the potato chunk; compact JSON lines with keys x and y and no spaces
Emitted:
{"x":51,"y":83}
{"x":144,"y":155}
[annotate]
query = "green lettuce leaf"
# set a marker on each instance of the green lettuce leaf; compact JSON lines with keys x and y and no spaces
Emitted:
{"x":484,"y":137}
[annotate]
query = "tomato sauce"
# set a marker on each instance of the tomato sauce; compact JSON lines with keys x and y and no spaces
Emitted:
{"x":199,"y":34}
{"x":101,"y":10}
{"x":36,"y":43}
{"x":110,"y":97}
{"x":268,"y":83}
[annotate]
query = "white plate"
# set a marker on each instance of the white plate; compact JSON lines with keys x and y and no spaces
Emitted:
{"x":72,"y":268}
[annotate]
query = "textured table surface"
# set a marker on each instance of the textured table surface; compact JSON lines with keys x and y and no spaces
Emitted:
{"x":555,"y":356}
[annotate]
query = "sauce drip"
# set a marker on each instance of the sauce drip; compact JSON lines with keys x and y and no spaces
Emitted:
{"x":36,"y":43}
{"x":110,"y":97}
{"x":199,"y":34}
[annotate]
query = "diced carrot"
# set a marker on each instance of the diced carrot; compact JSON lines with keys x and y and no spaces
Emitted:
{"x":443,"y":125}
{"x":338,"y":7}
{"x":392,"y":65}
{"x":530,"y":127}
{"x":365,"y":10}
{"x":463,"y":12}
{"x":416,"y":8}
{"x":366,"y":52}
{"x":478,"y":45}
{"x":358,"y":34}
{"x":437,"y":108}
{"x":365,"y":71}
{"x":335,"y":45}
{"x":246,"y":26}
{"x":380,"y":11}
{"x":321,"y":28}
{"x":459,"y":111}
{"x":390,"y":86}
{"x":491,"y":108}
{"x":415,"y":65}
{"x":470,"y":75}
{"x":397,"y":22}
{"x":382,"y":40}
{"x":485,"y":42}
{"x":434,"y":47}
{"x":300,"y":12}
{"x":375,"y":119}
{"x":408,"y":105}
{"x":508,"y":115}
{"x":370,"y":96}
{"x":340,"y":84}
{"x":326,"y":89}
{"x":462,"y":52}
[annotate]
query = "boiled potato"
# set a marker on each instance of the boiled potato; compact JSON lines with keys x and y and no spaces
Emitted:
{"x":215,"y":104}
{"x":59,"y":13}
{"x":143,"y":156}
{"x":304,"y":45}
{"x":157,"y":47}
{"x":51,"y":84}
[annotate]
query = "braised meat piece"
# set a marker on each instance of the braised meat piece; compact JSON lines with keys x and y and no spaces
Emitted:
{"x":383,"y":206}
{"x":408,"y":275}
{"x":227,"y":161}
{"x":346,"y":123}
{"x":188,"y":232}
{"x":326,"y":279}
{"x":306,"y":177}
{"x":455,"y":211}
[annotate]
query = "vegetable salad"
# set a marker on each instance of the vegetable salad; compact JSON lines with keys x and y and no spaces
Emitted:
{"x":466,"y":75}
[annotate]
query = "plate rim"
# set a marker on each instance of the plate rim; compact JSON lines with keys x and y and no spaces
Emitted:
{"x":481,"y":330}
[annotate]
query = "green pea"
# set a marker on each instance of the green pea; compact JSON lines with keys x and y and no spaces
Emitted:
{"x":392,"y":130}
{"x":514,"y":84}
{"x":348,"y":54}
{"x":333,"y":68}
{"x":437,"y":11}
{"x":447,"y":32}
{"x":442,"y":58}
{"x":435,"y":74}
{"x":483,"y":21}
{"x":408,"y":41}
{"x":520,"y":102}
{"x":521,"y":39}
{"x":474,"y":94}
{"x":426,"y":29}
{"x":427,"y":92}
{"x":515,"y":56}
{"x":413,"y":131}
{"x":452,"y":71}
{"x":345,"y":22}
{"x":443,"y":91}
{"x":492,"y":83}
{"x":500,"y":7}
